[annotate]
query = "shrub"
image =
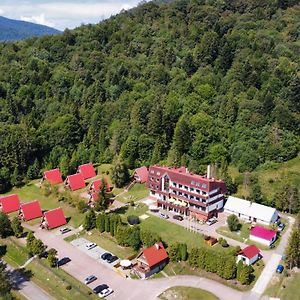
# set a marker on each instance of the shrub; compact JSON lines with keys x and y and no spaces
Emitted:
{"x":133,"y":220}
{"x":68,"y":287}
{"x":223,"y":242}
{"x":233,"y":223}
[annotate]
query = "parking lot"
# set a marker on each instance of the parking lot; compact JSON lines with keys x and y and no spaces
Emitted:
{"x":95,"y":253}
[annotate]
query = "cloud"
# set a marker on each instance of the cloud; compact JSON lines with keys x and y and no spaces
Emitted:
{"x":65,"y":13}
{"x":1,"y":11}
{"x":38,"y":20}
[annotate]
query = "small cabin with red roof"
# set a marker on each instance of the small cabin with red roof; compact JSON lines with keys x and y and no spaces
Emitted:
{"x":263,"y":235}
{"x":54,"y":218}
{"x":75,"y":182}
{"x":141,"y":174}
{"x":151,"y":260}
{"x":53,"y":176}
{"x":95,"y":188}
{"x":87,"y":171}
{"x":249,"y":255}
{"x":9,"y":203}
{"x":30,"y":210}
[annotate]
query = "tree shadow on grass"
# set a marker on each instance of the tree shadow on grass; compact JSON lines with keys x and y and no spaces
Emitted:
{"x":121,"y":210}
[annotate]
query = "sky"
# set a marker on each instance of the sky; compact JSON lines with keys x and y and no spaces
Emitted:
{"x":65,"y":13}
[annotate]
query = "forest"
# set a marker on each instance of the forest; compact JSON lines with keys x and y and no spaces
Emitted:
{"x":186,"y":82}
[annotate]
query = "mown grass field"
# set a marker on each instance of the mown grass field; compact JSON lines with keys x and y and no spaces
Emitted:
{"x":186,"y":293}
{"x":137,"y":192}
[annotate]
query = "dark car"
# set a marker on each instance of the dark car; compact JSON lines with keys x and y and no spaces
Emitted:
{"x":100,"y":288}
{"x":112,"y":259}
{"x":106,"y":256}
{"x":63,"y":261}
{"x":178,"y":217}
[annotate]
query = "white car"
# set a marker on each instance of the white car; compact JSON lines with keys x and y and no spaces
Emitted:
{"x":90,"y":246}
{"x":64,"y":230}
{"x":211,"y":221}
{"x":90,"y":279}
{"x":105,"y":292}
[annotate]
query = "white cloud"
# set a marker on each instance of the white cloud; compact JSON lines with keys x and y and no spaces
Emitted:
{"x":1,"y":11}
{"x":62,"y":14}
{"x":40,"y":19}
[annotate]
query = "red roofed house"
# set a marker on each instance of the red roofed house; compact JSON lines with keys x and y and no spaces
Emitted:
{"x":54,"y":218}
{"x":263,"y":235}
{"x":176,"y":189}
{"x":87,"y":171}
{"x":53,"y":176}
{"x":249,"y":255}
{"x":151,"y":260}
{"x":75,"y":182}
{"x":95,"y":188}
{"x":30,"y":210}
{"x":9,"y":203}
{"x":141,"y":174}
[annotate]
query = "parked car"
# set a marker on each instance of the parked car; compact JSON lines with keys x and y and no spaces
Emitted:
{"x":211,"y":221}
{"x":281,"y":226}
{"x":112,"y":259}
{"x":164,"y":216}
{"x":100,"y":288}
{"x":90,"y":246}
{"x":63,"y":261}
{"x":178,"y":217}
{"x":105,"y":292}
{"x":279,"y":269}
{"x":64,"y":230}
{"x":90,"y":279}
{"x":106,"y":256}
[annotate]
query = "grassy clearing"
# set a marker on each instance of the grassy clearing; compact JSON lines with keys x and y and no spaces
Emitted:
{"x":15,"y":255}
{"x":187,"y":293}
{"x":285,"y":288}
{"x":272,"y":176}
{"x":137,"y":192}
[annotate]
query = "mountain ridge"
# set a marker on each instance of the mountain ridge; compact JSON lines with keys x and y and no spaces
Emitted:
{"x":13,"y":30}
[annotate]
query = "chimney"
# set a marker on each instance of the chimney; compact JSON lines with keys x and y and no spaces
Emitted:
{"x":208,"y":171}
{"x":157,"y":246}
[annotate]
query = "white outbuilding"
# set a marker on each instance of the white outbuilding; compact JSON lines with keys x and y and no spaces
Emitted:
{"x":250,"y":211}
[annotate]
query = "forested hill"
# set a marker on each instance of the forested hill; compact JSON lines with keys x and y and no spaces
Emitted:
{"x":12,"y":30}
{"x":187,"y":82}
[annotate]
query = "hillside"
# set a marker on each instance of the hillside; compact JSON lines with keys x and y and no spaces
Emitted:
{"x":13,"y":30}
{"x":187,"y":82}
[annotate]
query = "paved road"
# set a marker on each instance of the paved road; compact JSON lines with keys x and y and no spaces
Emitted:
{"x":27,"y":288}
{"x":82,"y":265}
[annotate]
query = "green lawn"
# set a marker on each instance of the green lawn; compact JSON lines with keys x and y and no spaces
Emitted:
{"x":137,"y":192}
{"x":186,"y":293}
{"x":15,"y":255}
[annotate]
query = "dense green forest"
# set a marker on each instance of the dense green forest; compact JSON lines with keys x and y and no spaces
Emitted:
{"x":187,"y":82}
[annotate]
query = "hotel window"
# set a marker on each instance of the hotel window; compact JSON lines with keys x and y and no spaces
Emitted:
{"x":197,"y":198}
{"x":152,"y":171}
{"x":186,"y":195}
{"x":180,"y":185}
{"x":192,"y":197}
{"x":152,"y":193}
{"x":191,"y":189}
{"x":174,"y":184}
{"x":180,"y":193}
{"x":157,"y":179}
{"x":186,"y":187}
{"x":198,"y":191}
{"x":158,"y":173}
{"x":204,"y":185}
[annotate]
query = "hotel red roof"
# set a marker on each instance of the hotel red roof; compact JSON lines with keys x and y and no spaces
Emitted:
{"x":55,"y":218}
{"x":250,"y":251}
{"x":87,"y":171}
{"x":76,"y":181}
{"x":31,"y":210}
{"x":97,"y":183}
{"x":183,"y":176}
{"x":142,"y":174}
{"x":155,"y":254}
{"x":53,"y":176}
{"x":10,"y":203}
{"x":263,"y":233}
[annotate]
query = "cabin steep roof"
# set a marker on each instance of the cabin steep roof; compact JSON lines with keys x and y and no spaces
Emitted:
{"x":55,"y":218}
{"x":87,"y":170}
{"x":53,"y":176}
{"x":31,"y":210}
{"x":76,"y":181}
{"x":97,"y":183}
{"x":250,"y":251}
{"x":142,"y":173}
{"x":10,"y":203}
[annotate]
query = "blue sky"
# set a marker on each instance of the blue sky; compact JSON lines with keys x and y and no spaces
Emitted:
{"x":65,"y":13}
